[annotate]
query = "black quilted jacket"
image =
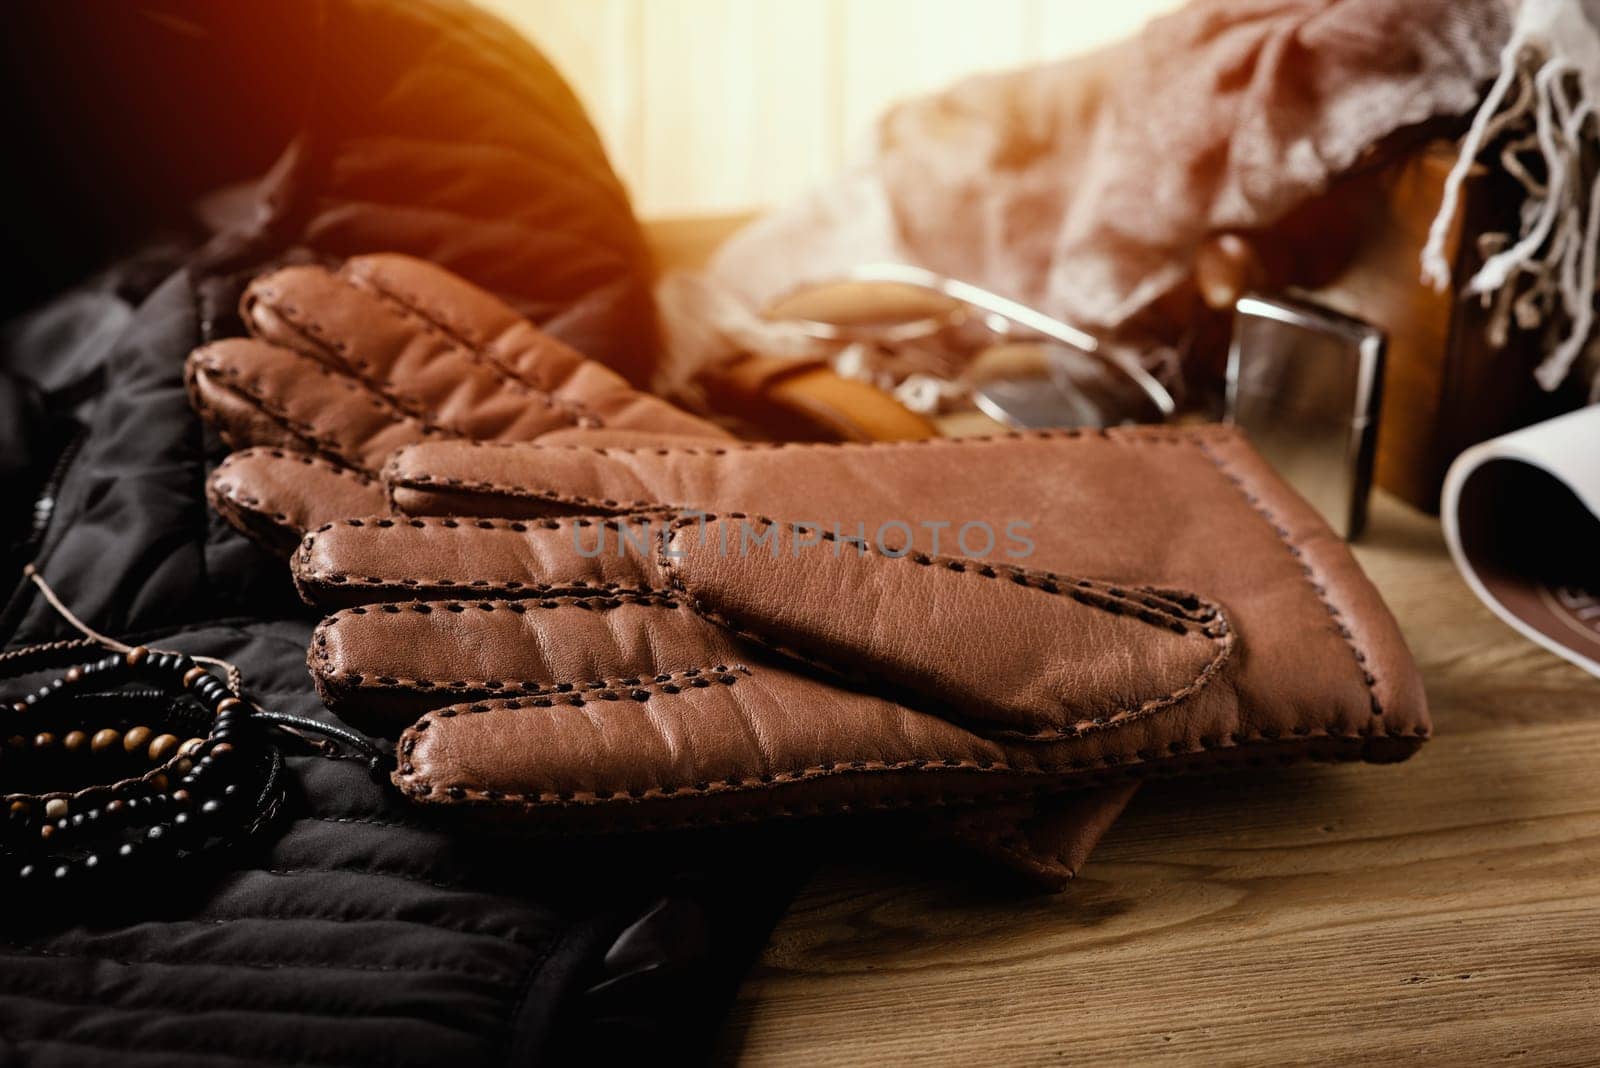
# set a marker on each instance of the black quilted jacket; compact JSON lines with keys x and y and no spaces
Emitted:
{"x":161,"y":154}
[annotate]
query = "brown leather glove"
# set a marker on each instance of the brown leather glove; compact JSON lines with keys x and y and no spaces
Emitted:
{"x":1178,"y":607}
{"x":345,"y":367}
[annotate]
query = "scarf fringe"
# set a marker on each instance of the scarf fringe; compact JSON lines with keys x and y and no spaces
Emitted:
{"x":1539,"y":115}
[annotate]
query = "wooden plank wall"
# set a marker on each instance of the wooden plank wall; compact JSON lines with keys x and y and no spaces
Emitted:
{"x":717,"y":106}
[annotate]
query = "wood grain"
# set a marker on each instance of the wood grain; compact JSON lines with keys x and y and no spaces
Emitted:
{"x":1443,"y":911}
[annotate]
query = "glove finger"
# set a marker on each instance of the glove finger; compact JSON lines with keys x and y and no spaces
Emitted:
{"x":479,"y":323}
{"x":1030,"y":653}
{"x":260,"y":394}
{"x":351,"y":562}
{"x":795,"y":480}
{"x":422,"y":368}
{"x":381,"y":665}
{"x":757,"y":741}
{"x":627,"y":438}
{"x":521,"y":481}
{"x":477,"y":320}
{"x":276,"y":495}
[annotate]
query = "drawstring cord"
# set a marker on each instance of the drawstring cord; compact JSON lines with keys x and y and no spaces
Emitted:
{"x":298,"y":726}
{"x":32,"y":574}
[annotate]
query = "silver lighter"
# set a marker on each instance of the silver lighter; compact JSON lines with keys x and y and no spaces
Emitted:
{"x":1305,"y":384}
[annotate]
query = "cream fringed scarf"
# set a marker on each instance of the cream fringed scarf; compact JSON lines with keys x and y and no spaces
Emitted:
{"x":1541,"y":113}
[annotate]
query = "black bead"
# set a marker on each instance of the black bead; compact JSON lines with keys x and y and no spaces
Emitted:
{"x":156,"y":832}
{"x":127,"y":849}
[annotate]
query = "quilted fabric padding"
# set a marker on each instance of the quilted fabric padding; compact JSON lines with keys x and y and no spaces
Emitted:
{"x":170,"y":150}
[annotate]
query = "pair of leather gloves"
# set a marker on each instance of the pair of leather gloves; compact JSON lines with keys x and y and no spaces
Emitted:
{"x":573,"y":602}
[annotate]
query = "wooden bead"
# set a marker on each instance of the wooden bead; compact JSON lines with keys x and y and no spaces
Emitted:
{"x":19,"y":807}
{"x":73,"y":741}
{"x":55,"y":808}
{"x":47,"y":832}
{"x":190,"y":747}
{"x":162,"y":747}
{"x":19,"y":706}
{"x":194,"y":675}
{"x":136,"y":739}
{"x":44,"y":740}
{"x":228,"y":704}
{"x":104,"y":740}
{"x":137,"y":655}
{"x":183,"y":765}
{"x":17,"y":741}
{"x":158,"y":782}
{"x":73,"y":673}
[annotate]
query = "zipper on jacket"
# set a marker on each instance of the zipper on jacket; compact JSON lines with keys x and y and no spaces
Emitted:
{"x":43,"y":512}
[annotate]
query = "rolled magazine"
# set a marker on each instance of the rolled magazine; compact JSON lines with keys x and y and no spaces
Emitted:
{"x":1522,"y":519}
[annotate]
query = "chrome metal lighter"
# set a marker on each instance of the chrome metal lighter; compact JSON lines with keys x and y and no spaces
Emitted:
{"x":1305,"y":384}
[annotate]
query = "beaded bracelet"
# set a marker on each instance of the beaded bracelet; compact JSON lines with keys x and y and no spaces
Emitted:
{"x":204,"y":773}
{"x":192,"y":793}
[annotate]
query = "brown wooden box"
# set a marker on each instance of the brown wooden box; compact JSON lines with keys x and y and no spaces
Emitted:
{"x":1445,"y":387}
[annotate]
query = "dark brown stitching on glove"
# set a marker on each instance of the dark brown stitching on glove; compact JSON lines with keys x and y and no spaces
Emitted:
{"x":321,"y":660}
{"x":329,"y":448}
{"x":1209,"y":622}
{"x":427,"y":483}
{"x":1141,"y":435}
{"x":316,"y":335}
{"x":1317,"y":588}
{"x":226,"y":379}
{"x":515,"y":526}
{"x":414,"y":783}
{"x":411,"y":308}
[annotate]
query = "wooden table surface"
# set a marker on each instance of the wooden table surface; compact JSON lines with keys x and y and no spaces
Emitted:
{"x":1442,"y":911}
